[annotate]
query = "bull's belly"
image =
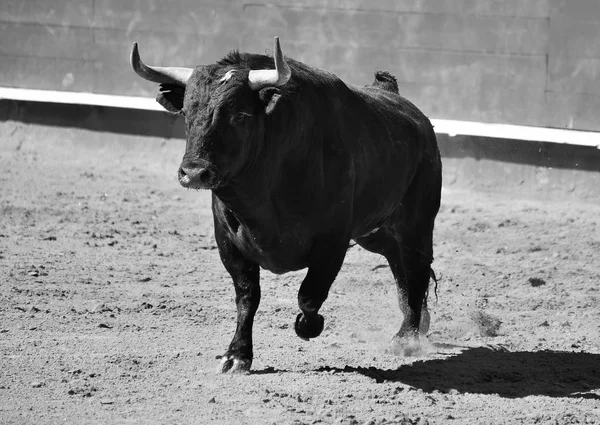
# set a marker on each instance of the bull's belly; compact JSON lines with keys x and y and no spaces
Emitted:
{"x":371,"y":221}
{"x":365,"y":231}
{"x":288,"y":247}
{"x":278,"y":255}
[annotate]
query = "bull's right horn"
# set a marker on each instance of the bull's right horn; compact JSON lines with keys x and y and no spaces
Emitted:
{"x":159,"y":74}
{"x":260,"y":78}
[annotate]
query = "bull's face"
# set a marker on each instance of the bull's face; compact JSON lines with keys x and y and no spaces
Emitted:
{"x":224,"y":109}
{"x":223,"y":116}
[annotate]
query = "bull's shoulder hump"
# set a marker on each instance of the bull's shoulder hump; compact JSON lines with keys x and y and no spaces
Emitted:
{"x":383,"y":96}
{"x":391,"y":104}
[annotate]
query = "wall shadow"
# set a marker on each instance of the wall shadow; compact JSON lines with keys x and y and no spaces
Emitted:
{"x":166,"y":125}
{"x":95,"y":118}
{"x":541,"y":154}
{"x":508,"y":374}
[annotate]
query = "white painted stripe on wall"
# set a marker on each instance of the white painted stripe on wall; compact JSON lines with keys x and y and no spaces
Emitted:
{"x":517,"y":132}
{"x":78,"y":98}
{"x":450,"y":127}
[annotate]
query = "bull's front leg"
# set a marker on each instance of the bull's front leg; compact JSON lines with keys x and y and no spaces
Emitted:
{"x":245,"y":275}
{"x":327,"y":256}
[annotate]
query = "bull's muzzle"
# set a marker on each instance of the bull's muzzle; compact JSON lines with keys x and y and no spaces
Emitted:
{"x":196,"y":177}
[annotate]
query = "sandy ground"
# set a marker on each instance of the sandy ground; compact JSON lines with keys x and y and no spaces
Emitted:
{"x":114,"y":306}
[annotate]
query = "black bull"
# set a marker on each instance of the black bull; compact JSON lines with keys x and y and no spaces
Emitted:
{"x":299,"y":164}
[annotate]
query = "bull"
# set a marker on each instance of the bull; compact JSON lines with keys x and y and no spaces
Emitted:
{"x":300,"y":164}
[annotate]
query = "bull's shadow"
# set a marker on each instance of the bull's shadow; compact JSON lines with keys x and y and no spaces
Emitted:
{"x":508,"y":374}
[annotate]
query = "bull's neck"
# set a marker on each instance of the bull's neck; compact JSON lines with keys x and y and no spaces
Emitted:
{"x":247,"y":198}
{"x":262,"y":193}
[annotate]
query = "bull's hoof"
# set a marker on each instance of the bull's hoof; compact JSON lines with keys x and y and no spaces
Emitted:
{"x":233,"y":364}
{"x":407,"y":344}
{"x":307,"y":330}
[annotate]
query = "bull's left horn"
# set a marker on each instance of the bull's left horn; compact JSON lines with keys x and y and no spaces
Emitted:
{"x":271,"y":77}
{"x":159,"y":74}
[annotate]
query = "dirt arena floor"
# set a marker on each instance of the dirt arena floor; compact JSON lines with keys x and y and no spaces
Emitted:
{"x":114,"y":305}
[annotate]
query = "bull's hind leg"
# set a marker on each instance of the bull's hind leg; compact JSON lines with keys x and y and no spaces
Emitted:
{"x":413,"y":229}
{"x":385,"y":242}
{"x":412,"y":280}
{"x":406,"y":241}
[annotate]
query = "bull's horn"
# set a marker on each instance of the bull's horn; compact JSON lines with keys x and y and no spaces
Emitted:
{"x":159,"y":74}
{"x":271,"y":77}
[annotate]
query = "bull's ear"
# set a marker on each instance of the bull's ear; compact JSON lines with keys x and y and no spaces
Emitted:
{"x":171,"y":97}
{"x":270,"y":96}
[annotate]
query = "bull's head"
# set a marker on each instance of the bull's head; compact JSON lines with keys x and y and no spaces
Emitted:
{"x":224,"y":108}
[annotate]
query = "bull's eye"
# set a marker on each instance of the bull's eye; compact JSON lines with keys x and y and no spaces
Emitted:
{"x":239,"y":117}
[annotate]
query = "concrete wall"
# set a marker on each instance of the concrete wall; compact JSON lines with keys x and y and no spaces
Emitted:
{"x":534,"y":62}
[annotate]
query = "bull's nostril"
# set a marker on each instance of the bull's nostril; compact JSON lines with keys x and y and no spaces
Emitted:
{"x":184,"y":177}
{"x":195,"y":177}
